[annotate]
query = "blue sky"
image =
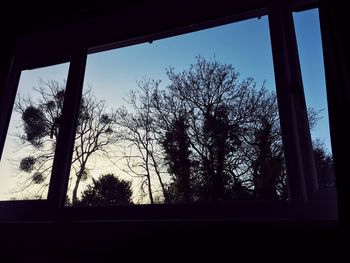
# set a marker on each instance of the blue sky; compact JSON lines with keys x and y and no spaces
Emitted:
{"x":246,"y":45}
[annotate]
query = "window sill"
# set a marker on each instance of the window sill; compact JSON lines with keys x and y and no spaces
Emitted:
{"x":38,"y":210}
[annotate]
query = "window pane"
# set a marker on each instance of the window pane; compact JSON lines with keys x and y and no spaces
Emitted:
{"x":191,"y":118}
{"x":27,"y":157}
{"x":311,"y":59}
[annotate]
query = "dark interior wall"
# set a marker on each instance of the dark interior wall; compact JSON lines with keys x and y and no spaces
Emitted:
{"x":336,"y":43}
{"x":29,"y":16}
{"x":215,"y":241}
{"x":173,"y":241}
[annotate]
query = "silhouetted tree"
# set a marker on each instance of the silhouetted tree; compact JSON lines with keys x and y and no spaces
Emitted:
{"x":262,"y":146}
{"x":233,"y":134}
{"x":324,"y":165}
{"x":143,"y":154}
{"x":177,"y":156}
{"x":96,"y":131}
{"x":107,"y":190}
{"x":267,"y":166}
{"x":231,"y":126}
{"x":207,"y":136}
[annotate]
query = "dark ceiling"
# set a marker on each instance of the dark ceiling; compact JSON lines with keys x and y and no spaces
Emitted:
{"x":23,"y":16}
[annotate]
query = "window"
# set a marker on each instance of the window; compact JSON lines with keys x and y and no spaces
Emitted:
{"x":311,"y":60}
{"x":191,"y":118}
{"x":162,"y":117}
{"x":28,"y":152}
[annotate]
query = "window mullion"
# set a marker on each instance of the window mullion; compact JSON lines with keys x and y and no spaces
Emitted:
{"x":305,"y":141}
{"x":7,"y":100}
{"x":284,"y":89}
{"x":65,"y":141}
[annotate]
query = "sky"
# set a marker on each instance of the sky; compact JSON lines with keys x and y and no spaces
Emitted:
{"x":246,"y":45}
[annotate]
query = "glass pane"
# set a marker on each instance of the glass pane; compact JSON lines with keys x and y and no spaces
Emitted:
{"x":27,"y":157}
{"x":191,"y":118}
{"x":307,"y":28}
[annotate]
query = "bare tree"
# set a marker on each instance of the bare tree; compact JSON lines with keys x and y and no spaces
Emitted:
{"x":144,"y":156}
{"x":229,"y":124}
{"x":207,"y":136}
{"x":96,"y":131}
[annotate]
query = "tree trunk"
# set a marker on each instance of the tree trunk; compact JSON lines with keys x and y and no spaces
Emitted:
{"x":150,"y":189}
{"x":76,"y":186}
{"x":75,"y":191}
{"x":155,"y":165}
